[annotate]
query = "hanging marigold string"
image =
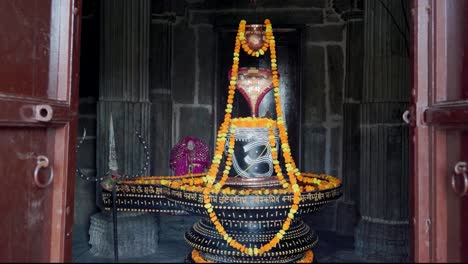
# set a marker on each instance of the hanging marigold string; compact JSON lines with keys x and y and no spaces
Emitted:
{"x":197,"y":257}
{"x":266,"y":43}
{"x":211,"y":187}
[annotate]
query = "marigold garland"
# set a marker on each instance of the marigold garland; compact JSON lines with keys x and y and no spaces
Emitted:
{"x":221,"y":140}
{"x":308,"y":257}
{"x":195,"y":183}
{"x":266,"y":44}
{"x":196,"y":256}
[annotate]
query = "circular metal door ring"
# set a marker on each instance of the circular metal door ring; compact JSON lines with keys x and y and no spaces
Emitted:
{"x":43,"y":162}
{"x":460,"y":170}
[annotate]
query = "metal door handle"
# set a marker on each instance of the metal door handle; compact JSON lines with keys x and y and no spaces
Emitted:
{"x":406,"y":116}
{"x":43,"y":162}
{"x":460,"y":170}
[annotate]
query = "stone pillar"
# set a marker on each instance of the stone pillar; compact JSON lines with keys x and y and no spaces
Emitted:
{"x":124,"y":83}
{"x":124,"y":95}
{"x":383,"y":231}
{"x":161,"y":94}
{"x":348,"y":205}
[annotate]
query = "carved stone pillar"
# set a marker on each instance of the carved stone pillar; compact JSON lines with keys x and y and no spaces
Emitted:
{"x":124,"y":95}
{"x":161,"y":93}
{"x":348,"y":205}
{"x":383,"y":231}
{"x":124,"y":83}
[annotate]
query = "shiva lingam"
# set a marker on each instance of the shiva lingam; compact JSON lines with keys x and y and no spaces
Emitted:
{"x":253,"y":196}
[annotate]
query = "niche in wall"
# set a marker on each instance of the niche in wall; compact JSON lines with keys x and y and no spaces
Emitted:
{"x":288,"y":42}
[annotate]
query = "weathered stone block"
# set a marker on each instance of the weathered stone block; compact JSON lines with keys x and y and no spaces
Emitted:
{"x":331,"y":16}
{"x":197,"y":18}
{"x":196,"y":122}
{"x":342,"y":5}
{"x":360,"y":4}
{"x":179,"y":7}
{"x":86,"y":156}
{"x":313,"y":92}
{"x":183,"y":68}
{"x":246,"y":4}
{"x":355,"y":60}
{"x":206,"y":59}
{"x":160,"y":57}
{"x":335,"y":150}
{"x":335,"y":65}
{"x":161,"y":133}
{"x":161,"y":6}
{"x":314,"y":147}
{"x":290,"y":16}
{"x":325,"y":33}
{"x":87,"y":105}
{"x":293,"y":3}
{"x":137,"y":234}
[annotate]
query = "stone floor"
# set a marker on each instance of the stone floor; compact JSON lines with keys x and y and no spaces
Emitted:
{"x":330,"y":249}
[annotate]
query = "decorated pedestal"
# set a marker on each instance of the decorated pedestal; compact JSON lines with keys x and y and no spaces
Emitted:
{"x":252,"y":215}
{"x":253,"y":196}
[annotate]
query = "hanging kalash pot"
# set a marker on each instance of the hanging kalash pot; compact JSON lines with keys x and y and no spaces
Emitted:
{"x":253,"y":196}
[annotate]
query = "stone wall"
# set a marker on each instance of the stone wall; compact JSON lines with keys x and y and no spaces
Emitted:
{"x":181,"y":82}
{"x":192,"y":82}
{"x":322,"y":95}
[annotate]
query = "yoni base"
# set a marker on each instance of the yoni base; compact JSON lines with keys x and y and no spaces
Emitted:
{"x":195,"y":257}
{"x":210,"y":247}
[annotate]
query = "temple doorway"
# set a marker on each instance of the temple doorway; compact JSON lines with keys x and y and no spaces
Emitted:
{"x":160,"y":69}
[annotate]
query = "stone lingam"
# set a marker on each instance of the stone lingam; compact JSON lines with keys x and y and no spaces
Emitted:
{"x":253,"y":196}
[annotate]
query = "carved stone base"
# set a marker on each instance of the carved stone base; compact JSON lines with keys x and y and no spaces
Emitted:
{"x":382,"y":241}
{"x":204,"y":237}
{"x":137,"y":234}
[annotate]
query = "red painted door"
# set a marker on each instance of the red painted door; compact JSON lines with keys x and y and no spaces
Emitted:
{"x":39,"y":59}
{"x":440,"y":131}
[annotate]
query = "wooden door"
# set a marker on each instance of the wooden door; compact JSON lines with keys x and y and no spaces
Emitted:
{"x":439,"y":125}
{"x":39,"y":63}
